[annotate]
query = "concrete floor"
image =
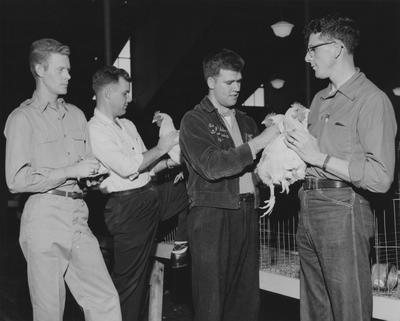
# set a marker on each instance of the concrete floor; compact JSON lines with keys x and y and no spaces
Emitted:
{"x":14,"y":294}
{"x":15,"y":301}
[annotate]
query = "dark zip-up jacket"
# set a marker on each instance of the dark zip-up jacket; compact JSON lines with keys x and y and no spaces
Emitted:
{"x":213,"y":162}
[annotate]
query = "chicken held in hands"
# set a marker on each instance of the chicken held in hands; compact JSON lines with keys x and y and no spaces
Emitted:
{"x":280,"y":165}
{"x":164,"y":121}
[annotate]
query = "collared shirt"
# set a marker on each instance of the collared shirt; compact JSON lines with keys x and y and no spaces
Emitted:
{"x":245,"y":181}
{"x":42,"y":138}
{"x":356,"y":123}
{"x":119,"y":147}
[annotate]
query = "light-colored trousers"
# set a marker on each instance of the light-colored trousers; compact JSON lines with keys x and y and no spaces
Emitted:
{"x":58,"y":245}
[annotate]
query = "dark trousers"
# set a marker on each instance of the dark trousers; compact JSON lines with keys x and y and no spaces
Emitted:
{"x":334,"y":233}
{"x":225,"y":274}
{"x":174,"y":202}
{"x":132,"y":218}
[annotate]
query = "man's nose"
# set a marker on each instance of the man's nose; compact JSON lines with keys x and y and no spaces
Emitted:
{"x":236,"y":86}
{"x":307,"y":57}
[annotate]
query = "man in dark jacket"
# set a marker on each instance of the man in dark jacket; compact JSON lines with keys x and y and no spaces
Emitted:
{"x":219,"y":145}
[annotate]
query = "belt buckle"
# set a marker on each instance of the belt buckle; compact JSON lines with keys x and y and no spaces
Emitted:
{"x":245,"y":197}
{"x":311,"y":184}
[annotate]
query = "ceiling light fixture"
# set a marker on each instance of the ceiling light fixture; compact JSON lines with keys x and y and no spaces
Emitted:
{"x":396,"y":91}
{"x":277,"y":83}
{"x":282,"y":28}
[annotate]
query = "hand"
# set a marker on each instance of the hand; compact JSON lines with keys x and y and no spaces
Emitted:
{"x":265,"y":138}
{"x":84,"y":168}
{"x":166,"y":142}
{"x":304,"y":144}
{"x":171,"y":163}
{"x":94,"y":182}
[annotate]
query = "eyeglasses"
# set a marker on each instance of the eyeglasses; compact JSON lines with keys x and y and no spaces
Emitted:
{"x":311,"y":49}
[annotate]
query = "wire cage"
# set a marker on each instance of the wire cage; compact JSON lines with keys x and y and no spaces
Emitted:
{"x":278,"y":250}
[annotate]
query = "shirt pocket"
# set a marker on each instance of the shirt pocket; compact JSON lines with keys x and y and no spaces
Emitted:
{"x":79,"y":144}
{"x":338,"y":136}
{"x":48,"y":151}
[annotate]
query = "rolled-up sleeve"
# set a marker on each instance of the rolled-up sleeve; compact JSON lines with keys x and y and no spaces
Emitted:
{"x":108,"y":150}
{"x":376,"y":126}
{"x":204,"y":154}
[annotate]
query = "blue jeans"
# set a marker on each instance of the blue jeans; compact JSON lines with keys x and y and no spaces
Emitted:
{"x":225,"y":275}
{"x":335,"y":229}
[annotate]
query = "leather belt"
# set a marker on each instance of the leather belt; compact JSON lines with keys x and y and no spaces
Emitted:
{"x":74,"y":195}
{"x":314,"y":183}
{"x":246,"y":197}
{"x":132,"y":191}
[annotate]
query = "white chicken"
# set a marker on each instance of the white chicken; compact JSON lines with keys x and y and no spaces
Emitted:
{"x":164,"y":121}
{"x":280,"y":165}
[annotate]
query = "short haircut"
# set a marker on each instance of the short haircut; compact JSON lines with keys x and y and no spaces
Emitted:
{"x":108,"y":75}
{"x":221,"y":59}
{"x":335,"y":27}
{"x":41,"y":50}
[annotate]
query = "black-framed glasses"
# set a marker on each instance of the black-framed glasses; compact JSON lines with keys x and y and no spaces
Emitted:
{"x":311,"y":49}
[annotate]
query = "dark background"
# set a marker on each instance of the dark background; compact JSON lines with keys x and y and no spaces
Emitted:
{"x":169,"y":38}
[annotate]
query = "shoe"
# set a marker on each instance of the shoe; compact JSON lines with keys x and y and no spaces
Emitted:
{"x":180,"y":255}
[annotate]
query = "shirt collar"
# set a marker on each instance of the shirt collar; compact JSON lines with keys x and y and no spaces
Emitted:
{"x":106,"y":120}
{"x":348,"y":89}
{"x":43,"y":104}
{"x":207,"y":105}
{"x":228,"y":113}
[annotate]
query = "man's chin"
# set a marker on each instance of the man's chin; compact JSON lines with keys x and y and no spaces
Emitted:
{"x":63,"y":91}
{"x":233,"y":102}
{"x":320,"y":75}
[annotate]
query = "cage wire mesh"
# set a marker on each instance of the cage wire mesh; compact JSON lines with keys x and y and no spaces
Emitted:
{"x":278,"y":250}
{"x":169,"y":237}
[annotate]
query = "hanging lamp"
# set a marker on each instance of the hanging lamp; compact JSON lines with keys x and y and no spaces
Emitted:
{"x":282,"y":28}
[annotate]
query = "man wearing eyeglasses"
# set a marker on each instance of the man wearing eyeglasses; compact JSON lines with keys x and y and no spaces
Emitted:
{"x":350,"y":151}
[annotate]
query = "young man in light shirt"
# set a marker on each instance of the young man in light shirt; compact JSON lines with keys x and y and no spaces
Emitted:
{"x":132,"y":211}
{"x":350,"y":151}
{"x":47,"y":153}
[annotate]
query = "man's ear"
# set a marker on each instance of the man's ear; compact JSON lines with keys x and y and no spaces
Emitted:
{"x":107,"y":92}
{"x":211,"y":82}
{"x":339,"y":49}
{"x":39,"y":69}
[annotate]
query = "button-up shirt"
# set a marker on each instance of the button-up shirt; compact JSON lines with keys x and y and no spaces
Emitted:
{"x":41,"y":139}
{"x":119,"y":147}
{"x":356,"y":123}
{"x":246,"y":184}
